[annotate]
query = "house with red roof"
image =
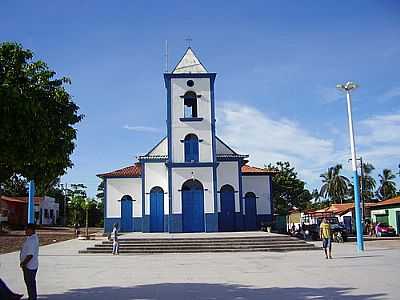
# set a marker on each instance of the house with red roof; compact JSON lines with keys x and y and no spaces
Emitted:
{"x":191,"y":181}
{"x":387,"y":211}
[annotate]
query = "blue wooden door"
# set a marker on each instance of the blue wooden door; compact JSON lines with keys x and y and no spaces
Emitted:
{"x":192,"y":210}
{"x":126,"y":214}
{"x":398,"y":222}
{"x":227,"y":217}
{"x":250,"y":211}
{"x":156,"y":210}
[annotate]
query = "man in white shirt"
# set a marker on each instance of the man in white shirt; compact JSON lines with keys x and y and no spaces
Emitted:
{"x":29,"y":260}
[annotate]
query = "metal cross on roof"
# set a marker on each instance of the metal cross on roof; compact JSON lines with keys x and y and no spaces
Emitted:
{"x":188,"y":40}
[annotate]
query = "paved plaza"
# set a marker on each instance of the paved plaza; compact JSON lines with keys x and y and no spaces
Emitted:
{"x":64,"y":274}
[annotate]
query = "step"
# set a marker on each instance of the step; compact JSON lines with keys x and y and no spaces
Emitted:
{"x":205,"y":246}
{"x":153,"y":251}
{"x":202,"y":243}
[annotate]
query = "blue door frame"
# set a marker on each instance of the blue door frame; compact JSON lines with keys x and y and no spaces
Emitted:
{"x":250,"y":207}
{"x":156,"y":210}
{"x":126,"y":214}
{"x":227,"y":217}
{"x":192,"y":206}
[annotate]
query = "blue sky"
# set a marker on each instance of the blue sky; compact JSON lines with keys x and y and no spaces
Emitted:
{"x":277,"y":62}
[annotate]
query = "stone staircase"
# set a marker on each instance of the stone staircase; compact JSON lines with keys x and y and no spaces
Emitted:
{"x":215,"y":243}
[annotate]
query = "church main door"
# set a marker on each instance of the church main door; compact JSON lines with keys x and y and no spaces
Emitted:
{"x":250,"y":207}
{"x":192,"y":206}
{"x":227,"y":218}
{"x":126,"y":214}
{"x":156,"y":210}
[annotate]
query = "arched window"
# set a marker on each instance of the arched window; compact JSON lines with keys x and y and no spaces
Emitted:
{"x":191,"y":148}
{"x":190,"y":104}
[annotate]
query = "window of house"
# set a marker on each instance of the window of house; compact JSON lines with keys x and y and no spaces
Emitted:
{"x":46,"y":213}
{"x":190,"y":105}
{"x":191,"y":148}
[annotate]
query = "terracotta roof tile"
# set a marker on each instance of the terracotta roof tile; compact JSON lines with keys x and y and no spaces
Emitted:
{"x":249,"y":170}
{"x":392,"y":201}
{"x":20,"y":199}
{"x":131,"y":171}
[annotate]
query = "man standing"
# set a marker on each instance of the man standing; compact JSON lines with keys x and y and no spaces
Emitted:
{"x":326,"y":236}
{"x":29,"y":260}
{"x":114,"y":236}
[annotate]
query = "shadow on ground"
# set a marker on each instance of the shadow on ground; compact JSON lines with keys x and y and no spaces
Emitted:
{"x":197,"y":291}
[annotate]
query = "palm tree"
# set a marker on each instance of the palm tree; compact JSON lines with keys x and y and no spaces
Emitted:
{"x":335,"y":186}
{"x":387,"y":188}
{"x":369,"y":182}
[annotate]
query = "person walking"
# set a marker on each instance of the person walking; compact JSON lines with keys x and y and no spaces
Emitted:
{"x":29,"y":260}
{"x":325,"y":234}
{"x":114,"y":236}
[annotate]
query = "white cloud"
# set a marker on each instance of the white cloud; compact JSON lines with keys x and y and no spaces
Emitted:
{"x":267,"y":140}
{"x":142,"y":128}
{"x":390,"y":94}
{"x":379,"y":139}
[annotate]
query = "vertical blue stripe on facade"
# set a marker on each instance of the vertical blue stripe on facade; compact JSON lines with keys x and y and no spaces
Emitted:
{"x":169,"y":140}
{"x":214,"y":151}
{"x":239,"y":217}
{"x":105,"y":204}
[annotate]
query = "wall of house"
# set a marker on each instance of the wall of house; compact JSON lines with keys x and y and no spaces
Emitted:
{"x":228,"y":173}
{"x":392,"y":212}
{"x":117,"y":188}
{"x":49,"y":204}
{"x":260,"y":186}
{"x":156,"y":174}
{"x":204,"y":175}
{"x":200,"y":128}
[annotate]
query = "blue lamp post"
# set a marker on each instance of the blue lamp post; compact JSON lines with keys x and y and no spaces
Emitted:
{"x":31,"y":203}
{"x":348,"y":86}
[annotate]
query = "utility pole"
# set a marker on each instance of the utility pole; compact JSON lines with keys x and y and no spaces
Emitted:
{"x":64,"y":188}
{"x":348,"y":87}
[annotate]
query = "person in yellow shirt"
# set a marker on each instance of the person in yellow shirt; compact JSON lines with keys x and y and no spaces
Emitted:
{"x":326,"y":235}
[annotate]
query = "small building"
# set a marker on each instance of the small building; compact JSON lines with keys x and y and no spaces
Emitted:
{"x":387,"y":211}
{"x":14,"y":209}
{"x":191,"y":181}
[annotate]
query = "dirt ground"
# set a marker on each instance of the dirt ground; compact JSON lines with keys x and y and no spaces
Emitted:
{"x":12,"y":240}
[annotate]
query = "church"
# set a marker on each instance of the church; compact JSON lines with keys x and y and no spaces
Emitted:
{"x":191,"y":181}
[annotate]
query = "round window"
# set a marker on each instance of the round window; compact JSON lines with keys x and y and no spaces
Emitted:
{"x":190,"y":83}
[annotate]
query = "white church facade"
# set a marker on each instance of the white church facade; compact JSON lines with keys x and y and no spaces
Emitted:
{"x":191,"y":181}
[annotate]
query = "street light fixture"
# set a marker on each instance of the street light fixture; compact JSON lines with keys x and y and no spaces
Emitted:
{"x":348,"y":87}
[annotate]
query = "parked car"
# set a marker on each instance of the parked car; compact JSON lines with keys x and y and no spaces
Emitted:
{"x":384,"y":229}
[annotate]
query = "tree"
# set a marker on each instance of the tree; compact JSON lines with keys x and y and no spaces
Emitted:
{"x":335,"y":186}
{"x":100,"y":191}
{"x":36,"y":118}
{"x":369,"y":182}
{"x":77,"y":197}
{"x":387,"y":188}
{"x":288,"y":190}
{"x":15,"y":186}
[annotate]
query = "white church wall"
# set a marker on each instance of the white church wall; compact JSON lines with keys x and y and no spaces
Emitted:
{"x":221,"y":148}
{"x":161,"y":148}
{"x":228,"y":173}
{"x":200,"y":128}
{"x":260,"y":186}
{"x":156,"y":174}
{"x":119,"y":187}
{"x":204,"y":175}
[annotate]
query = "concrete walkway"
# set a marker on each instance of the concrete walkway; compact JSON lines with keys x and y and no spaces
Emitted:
{"x":64,"y":274}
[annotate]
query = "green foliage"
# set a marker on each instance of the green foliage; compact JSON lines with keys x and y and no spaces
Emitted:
{"x":387,"y":187}
{"x":335,"y":187}
{"x":100,"y":192}
{"x":288,"y":190}
{"x":36,"y":118}
{"x":368,"y":182}
{"x":15,"y":186}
